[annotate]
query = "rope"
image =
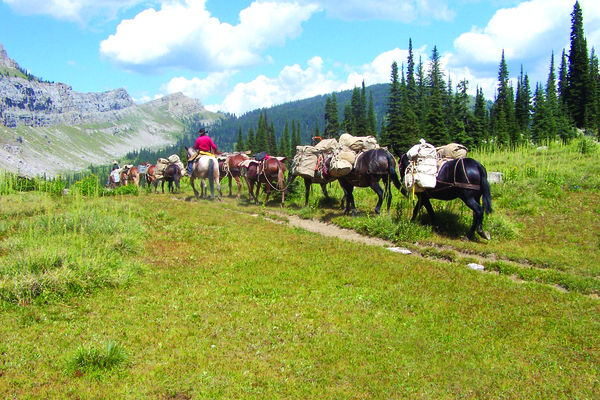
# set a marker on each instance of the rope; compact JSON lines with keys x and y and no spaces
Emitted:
{"x":269,"y":182}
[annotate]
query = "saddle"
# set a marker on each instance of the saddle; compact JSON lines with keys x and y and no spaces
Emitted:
{"x":200,"y":154}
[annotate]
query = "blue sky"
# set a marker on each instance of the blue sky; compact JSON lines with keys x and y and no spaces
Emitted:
{"x":237,"y":55}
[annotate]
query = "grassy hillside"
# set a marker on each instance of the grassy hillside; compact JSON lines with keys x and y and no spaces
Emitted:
{"x":162,"y":296}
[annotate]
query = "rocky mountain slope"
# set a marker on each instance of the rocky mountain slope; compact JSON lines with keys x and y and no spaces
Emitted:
{"x":47,"y":128}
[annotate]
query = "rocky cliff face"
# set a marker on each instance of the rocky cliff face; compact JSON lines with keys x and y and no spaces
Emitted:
{"x":31,"y":102}
{"x":47,"y":128}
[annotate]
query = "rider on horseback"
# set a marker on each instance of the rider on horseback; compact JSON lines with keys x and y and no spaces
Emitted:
{"x":204,"y":145}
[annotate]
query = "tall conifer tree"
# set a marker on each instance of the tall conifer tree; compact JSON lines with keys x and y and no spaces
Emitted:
{"x":578,"y":74}
{"x":394,"y":111}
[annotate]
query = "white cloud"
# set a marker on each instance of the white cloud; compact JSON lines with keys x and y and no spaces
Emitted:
{"x":390,"y":10}
{"x":185,"y":35}
{"x":197,"y":88}
{"x":72,"y":10}
{"x":292,"y":83}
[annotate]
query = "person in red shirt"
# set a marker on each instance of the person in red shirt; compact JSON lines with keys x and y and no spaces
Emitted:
{"x":203,"y":143}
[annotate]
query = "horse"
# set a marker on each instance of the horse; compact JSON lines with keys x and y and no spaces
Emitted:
{"x":463,"y":178}
{"x":133,"y":176}
{"x":267,"y":171}
{"x":230,"y":167}
{"x":171,"y":174}
{"x":370,"y":167}
{"x":319,"y":178}
{"x":205,"y":167}
{"x":150,"y":178}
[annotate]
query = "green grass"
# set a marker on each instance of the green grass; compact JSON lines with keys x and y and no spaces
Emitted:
{"x":224,"y":300}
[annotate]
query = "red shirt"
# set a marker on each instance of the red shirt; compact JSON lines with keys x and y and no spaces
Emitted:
{"x":205,"y":143}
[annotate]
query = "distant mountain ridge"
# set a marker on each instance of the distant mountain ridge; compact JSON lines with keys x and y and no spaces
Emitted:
{"x":48,"y":128}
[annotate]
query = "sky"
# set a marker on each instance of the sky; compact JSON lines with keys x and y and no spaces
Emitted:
{"x":237,"y":56}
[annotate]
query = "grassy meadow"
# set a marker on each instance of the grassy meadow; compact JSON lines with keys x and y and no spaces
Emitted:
{"x":134,"y":295}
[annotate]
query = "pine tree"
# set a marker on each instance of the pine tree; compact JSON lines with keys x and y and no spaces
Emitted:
{"x":332,"y":123}
{"x":394,"y":112}
{"x":540,"y":128}
{"x":239,"y":144}
{"x":371,"y":118}
{"x":437,"y":132}
{"x":463,"y":118}
{"x":284,"y":144}
{"x":594,"y":93}
{"x":262,"y":141}
{"x":422,"y":99}
{"x":480,"y":130}
{"x":578,"y":74}
{"x":523,"y":104}
{"x":295,"y":140}
{"x":503,"y":116}
{"x":272,"y":140}
{"x":251,"y":141}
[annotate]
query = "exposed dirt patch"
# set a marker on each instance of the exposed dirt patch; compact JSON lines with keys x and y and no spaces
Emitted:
{"x":326,"y":229}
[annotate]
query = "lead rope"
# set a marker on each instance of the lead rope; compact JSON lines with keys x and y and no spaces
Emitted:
{"x":269,"y":182}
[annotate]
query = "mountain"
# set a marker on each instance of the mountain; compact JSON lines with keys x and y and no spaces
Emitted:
{"x":48,"y":128}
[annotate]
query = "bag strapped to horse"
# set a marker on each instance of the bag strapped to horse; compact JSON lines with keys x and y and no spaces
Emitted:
{"x":461,"y":185}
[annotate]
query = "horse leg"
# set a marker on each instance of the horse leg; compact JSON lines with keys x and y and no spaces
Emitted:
{"x":427,"y":204}
{"x":230,"y":177}
{"x":239,"y":184}
{"x":324,"y":190}
{"x":192,"y":179}
{"x":267,"y":191}
{"x":307,"y":185}
{"x":474,"y":205}
{"x":417,"y":207}
{"x":377,"y":189}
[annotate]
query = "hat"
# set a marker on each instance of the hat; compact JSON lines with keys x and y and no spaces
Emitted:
{"x":202,"y":131}
{"x":115,"y":162}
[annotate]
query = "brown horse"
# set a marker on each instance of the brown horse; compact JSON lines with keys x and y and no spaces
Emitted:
{"x":133,"y":176}
{"x":270,"y":172}
{"x":370,"y":167}
{"x":171,"y":174}
{"x":230,"y":167}
{"x":150,"y":178}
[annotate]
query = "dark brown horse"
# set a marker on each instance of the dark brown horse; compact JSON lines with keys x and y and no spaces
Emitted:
{"x":320,"y":178}
{"x":370,"y":167}
{"x":230,"y":167}
{"x":171,"y":174}
{"x":271,"y":172}
{"x":465,"y":179}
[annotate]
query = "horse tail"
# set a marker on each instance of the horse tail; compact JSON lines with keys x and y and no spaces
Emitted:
{"x":280,"y":176}
{"x":392,"y":170}
{"x":211,"y":174}
{"x":485,"y":189}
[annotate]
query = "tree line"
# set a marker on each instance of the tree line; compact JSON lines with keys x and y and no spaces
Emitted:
{"x":421,"y":103}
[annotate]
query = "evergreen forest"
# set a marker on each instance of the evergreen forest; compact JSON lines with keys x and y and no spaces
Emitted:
{"x":419,"y":102}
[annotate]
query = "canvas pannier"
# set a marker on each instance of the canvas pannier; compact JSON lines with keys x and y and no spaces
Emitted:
{"x":327,"y":145}
{"x":452,"y":151}
{"x":305,"y":161}
{"x":159,"y":169}
{"x":421,"y":172}
{"x":342,"y":162}
{"x":358,"y":143}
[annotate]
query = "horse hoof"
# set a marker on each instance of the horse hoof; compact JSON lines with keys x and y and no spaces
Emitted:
{"x":485,"y":234}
